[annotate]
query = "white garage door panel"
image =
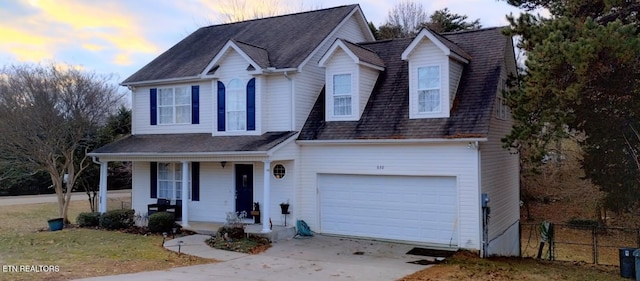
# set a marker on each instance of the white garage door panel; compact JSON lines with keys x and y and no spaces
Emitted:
{"x":407,"y":208}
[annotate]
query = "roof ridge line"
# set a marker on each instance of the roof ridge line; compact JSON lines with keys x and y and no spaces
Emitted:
{"x":278,"y":16}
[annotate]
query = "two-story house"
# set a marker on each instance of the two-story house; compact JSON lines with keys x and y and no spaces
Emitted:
{"x":396,"y":139}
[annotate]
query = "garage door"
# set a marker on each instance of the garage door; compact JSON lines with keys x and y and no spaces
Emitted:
{"x":409,"y":208}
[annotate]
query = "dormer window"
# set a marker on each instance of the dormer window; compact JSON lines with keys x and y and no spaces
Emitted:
{"x":342,"y":95}
{"x":429,"y":89}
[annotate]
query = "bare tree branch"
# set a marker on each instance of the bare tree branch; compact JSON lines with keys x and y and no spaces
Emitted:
{"x":49,"y":117}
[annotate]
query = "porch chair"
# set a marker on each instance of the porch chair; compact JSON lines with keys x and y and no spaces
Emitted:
{"x":160,"y":206}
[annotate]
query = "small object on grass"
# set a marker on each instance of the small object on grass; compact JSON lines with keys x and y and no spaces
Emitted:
{"x":164,"y":237}
{"x":180,"y":246}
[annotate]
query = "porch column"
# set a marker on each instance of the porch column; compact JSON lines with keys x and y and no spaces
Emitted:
{"x":266,"y":216}
{"x":102,"y":205}
{"x":185,"y":193}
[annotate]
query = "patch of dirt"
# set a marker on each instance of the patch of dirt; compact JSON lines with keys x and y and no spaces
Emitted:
{"x":468,"y":266}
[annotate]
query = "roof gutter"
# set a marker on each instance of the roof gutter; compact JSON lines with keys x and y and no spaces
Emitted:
{"x":169,"y":80}
{"x":181,"y":154}
{"x":389,"y":141}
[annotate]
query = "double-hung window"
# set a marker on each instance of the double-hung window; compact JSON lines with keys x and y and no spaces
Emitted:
{"x":236,"y":106}
{"x":174,"y":105}
{"x":429,"y":89}
{"x":170,"y":181}
{"x":342,"y":95}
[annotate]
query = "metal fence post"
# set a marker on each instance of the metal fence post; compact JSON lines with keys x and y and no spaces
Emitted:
{"x":595,"y":244}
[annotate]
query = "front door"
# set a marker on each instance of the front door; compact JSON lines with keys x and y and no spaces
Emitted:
{"x":244,"y":188}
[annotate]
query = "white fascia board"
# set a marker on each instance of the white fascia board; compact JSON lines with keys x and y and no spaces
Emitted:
{"x":180,"y":154}
{"x":324,"y":41}
{"x":337,"y":44}
{"x":229,"y":45}
{"x":162,"y":81}
{"x":424,"y":33}
{"x":387,"y":141}
{"x":282,"y":144}
{"x":376,"y":67}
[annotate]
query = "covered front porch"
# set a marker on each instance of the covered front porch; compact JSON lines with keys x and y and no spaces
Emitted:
{"x":278,"y":232}
{"x":206,"y":186}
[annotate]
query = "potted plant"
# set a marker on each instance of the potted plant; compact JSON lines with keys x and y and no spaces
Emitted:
{"x":284,"y":207}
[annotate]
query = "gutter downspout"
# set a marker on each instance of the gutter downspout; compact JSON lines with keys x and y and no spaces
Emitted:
{"x":102,"y":206}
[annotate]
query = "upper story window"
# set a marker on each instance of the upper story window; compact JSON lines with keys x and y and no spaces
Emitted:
{"x":236,"y":106}
{"x":429,"y":89}
{"x":174,"y":105}
{"x":342,"y":95}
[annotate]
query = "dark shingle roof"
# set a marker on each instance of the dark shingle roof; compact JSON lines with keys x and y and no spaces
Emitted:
{"x":257,"y":54}
{"x":386,"y":115}
{"x":287,"y":39}
{"x":193,"y":143}
{"x":364,"y":54}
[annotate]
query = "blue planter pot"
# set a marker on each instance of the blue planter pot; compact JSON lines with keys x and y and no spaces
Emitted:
{"x":56,"y":224}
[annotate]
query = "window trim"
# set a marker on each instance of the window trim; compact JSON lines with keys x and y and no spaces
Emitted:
{"x":350,"y":95}
{"x":418,"y":89}
{"x":242,"y":95}
{"x":172,"y":167}
{"x":274,"y":170}
{"x":173,"y":105}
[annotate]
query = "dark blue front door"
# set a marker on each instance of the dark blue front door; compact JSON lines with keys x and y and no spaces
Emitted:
{"x":244,"y":188}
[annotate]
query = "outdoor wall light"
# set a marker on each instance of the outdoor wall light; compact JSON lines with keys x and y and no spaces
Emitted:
{"x":223,"y":163}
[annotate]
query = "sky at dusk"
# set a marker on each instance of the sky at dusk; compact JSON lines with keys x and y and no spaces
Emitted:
{"x":120,"y":36}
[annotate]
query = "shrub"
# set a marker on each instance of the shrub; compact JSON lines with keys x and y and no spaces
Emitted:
{"x":117,"y":219}
{"x":161,"y":222}
{"x":88,"y":219}
{"x":233,"y":232}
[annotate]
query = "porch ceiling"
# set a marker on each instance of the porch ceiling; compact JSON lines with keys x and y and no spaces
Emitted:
{"x":195,"y":146}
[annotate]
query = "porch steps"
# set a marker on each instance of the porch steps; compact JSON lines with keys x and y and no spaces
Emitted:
{"x":278,"y":232}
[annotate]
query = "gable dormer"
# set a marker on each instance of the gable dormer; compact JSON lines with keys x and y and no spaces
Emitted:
{"x":351,"y":72}
{"x":237,"y":83}
{"x":435,"y":69}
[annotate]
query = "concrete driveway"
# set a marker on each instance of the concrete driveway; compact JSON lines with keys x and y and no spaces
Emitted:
{"x":316,"y":258}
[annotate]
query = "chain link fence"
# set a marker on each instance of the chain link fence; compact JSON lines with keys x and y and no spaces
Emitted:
{"x":589,"y":244}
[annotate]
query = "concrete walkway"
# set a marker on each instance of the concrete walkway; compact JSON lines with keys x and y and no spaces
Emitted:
{"x":317,"y":258}
{"x":51,"y":198}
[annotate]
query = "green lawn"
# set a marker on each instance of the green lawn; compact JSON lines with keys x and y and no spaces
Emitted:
{"x":77,"y":252}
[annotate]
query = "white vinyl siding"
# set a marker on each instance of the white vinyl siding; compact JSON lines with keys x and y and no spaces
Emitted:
{"x":402,"y":159}
{"x":368,"y":78}
{"x":500,"y":180}
{"x":140,"y":111}
{"x":277,"y":111}
{"x":427,"y":54}
{"x":311,"y":79}
{"x":455,"y":75}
